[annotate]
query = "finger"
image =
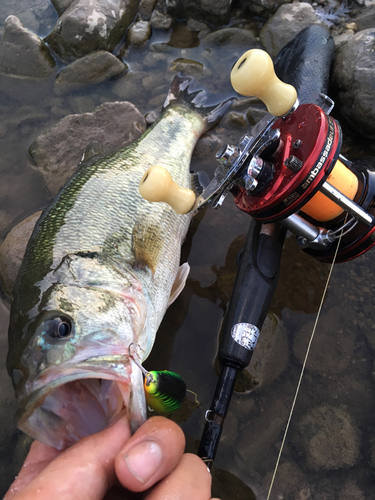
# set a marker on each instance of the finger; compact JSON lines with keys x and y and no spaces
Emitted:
{"x":86,"y":470}
{"x":151,"y":454}
{"x":39,"y":456}
{"x":189,"y":480}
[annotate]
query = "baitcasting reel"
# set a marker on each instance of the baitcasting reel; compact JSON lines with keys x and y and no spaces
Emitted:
{"x":288,"y":169}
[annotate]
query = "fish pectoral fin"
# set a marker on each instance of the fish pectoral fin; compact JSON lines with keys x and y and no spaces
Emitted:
{"x":179,"y":282}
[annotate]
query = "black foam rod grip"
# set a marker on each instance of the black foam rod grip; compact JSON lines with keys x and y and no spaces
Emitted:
{"x":252,"y":293}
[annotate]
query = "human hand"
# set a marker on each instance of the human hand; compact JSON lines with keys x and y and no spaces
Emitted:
{"x":113,"y":464}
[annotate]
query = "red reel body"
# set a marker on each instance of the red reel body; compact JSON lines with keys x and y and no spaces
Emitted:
{"x":314,"y":139}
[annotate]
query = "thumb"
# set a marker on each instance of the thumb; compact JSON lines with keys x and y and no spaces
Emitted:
{"x":86,"y":470}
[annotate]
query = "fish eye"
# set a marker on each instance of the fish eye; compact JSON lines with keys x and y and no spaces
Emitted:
{"x":58,"y":328}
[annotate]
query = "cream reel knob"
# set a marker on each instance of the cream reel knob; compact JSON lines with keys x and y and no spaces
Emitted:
{"x":254,"y":75}
{"x":157,"y":185}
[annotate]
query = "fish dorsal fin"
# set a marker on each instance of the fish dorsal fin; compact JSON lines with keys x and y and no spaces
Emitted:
{"x":179,"y":282}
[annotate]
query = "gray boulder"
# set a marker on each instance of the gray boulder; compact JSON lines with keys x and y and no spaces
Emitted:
{"x":138,"y":33}
{"x":354,"y":80}
{"x":234,"y":36}
{"x":61,"y":5}
{"x":146,"y":7}
{"x":284,"y":25}
{"x":13,"y":249}
{"x":216,"y":12}
{"x":23,"y":54}
{"x":90,"y":25}
{"x":58,"y":151}
{"x":160,"y":21}
{"x":89,"y":70}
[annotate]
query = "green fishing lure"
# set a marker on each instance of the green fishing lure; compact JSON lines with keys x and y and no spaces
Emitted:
{"x":164,"y":391}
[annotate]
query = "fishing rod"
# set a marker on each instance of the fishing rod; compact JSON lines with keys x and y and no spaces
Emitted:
{"x":287,"y":172}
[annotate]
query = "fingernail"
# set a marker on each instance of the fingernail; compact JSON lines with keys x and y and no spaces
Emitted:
{"x":144,"y":460}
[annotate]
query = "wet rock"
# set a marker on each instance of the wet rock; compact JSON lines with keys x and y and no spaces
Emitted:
{"x":129,"y":87}
{"x":151,"y":117}
{"x":234,"y":36}
{"x":354,"y":81}
{"x":215,"y":12}
{"x":13,"y":249}
{"x":291,"y":480}
{"x":61,"y":5}
{"x":342,"y":39}
{"x":90,"y":25}
{"x":333,"y":345}
{"x":264,"y":8}
{"x":224,"y":483}
{"x":237,"y":119}
{"x":187,"y":66}
{"x":160,"y":21}
{"x":194,"y":25}
{"x":24,"y":54}
{"x":89,"y":70}
{"x":350,"y":491}
{"x":270,"y":357}
{"x":366,"y":19}
{"x":58,"y":151}
{"x":146,"y":7}
{"x":138,"y":33}
{"x":327,"y":438}
{"x":284,"y":25}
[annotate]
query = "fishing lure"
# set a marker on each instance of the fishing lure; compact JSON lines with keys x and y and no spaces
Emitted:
{"x":164,"y":390}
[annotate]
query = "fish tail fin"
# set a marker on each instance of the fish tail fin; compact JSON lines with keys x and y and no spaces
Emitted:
{"x":184,"y":90}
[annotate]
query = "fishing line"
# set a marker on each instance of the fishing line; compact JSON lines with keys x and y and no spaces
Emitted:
{"x":304,"y":366}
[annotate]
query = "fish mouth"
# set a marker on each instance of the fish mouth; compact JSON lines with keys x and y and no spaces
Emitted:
{"x":67,"y":403}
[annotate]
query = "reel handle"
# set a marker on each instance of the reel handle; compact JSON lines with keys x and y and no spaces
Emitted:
{"x":157,"y":185}
{"x":254,"y":75}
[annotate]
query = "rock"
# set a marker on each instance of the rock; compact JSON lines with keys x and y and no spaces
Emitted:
{"x":342,"y":39}
{"x":61,"y":5}
{"x":264,"y":8}
{"x":89,"y":70}
{"x":90,"y":25}
{"x":333,"y":345}
{"x":284,"y":25}
{"x":291,"y":480}
{"x":350,"y":491}
{"x":194,"y":25}
{"x":366,"y":19}
{"x":327,"y":438}
{"x":224,"y":483}
{"x":58,"y":151}
{"x":24,"y":54}
{"x":233,"y":36}
{"x":237,"y":119}
{"x":187,"y":66}
{"x":138,"y":33}
{"x":160,"y":21}
{"x":146,"y":7}
{"x":354,"y":81}
{"x":13,"y":249}
{"x":215,"y":12}
{"x":270,"y":357}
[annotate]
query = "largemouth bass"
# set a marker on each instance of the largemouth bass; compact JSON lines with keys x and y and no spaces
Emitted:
{"x":99,"y":272}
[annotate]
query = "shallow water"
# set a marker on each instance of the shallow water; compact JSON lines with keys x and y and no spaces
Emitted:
{"x":187,"y":341}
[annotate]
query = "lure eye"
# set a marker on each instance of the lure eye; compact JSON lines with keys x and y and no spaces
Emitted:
{"x":58,"y":328}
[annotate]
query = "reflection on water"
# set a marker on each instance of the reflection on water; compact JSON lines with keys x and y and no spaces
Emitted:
{"x":187,"y":341}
